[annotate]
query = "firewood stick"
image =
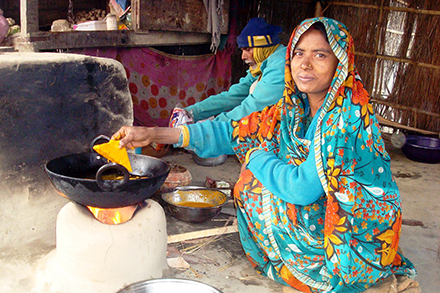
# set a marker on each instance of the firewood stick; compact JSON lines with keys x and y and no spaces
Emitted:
{"x":410,"y":222}
{"x":202,"y":233}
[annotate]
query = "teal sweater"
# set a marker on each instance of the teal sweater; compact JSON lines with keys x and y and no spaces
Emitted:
{"x":237,"y":103}
{"x":294,"y":184}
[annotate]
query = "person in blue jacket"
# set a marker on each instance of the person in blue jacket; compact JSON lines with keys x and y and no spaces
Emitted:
{"x":262,"y":86}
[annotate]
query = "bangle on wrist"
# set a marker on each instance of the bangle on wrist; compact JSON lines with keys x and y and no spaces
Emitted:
{"x":248,"y":154}
{"x":185,"y":135}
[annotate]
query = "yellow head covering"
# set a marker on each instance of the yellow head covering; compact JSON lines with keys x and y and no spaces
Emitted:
{"x":260,"y":54}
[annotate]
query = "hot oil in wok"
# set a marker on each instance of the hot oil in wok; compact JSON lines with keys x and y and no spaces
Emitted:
{"x":120,"y":177}
{"x":111,"y":175}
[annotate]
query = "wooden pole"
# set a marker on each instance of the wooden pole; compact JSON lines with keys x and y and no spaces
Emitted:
{"x":391,"y":58}
{"x":386,"y":122}
{"x":202,"y":233}
{"x":29,"y":17}
{"x":400,"y":9}
{"x":405,"y":108}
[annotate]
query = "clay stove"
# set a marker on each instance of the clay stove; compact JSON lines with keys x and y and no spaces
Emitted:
{"x":91,"y":256}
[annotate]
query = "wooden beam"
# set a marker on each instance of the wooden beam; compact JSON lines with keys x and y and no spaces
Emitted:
{"x":390,"y":8}
{"x":202,"y":234}
{"x":46,"y":41}
{"x":29,"y":17}
{"x":386,"y":122}
{"x":412,"y":109}
{"x":396,"y":59}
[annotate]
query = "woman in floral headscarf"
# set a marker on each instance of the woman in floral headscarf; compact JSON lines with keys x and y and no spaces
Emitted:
{"x":318,"y":208}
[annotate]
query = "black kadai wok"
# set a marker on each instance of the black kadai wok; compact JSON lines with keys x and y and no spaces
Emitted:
{"x":91,"y":180}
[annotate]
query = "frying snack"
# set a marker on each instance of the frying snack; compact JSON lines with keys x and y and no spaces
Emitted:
{"x":113,"y":153}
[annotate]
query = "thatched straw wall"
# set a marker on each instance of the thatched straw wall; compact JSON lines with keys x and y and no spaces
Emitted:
{"x":397,"y":46}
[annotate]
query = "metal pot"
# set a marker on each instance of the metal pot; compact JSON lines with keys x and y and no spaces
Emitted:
{"x":82,"y":178}
{"x":209,"y":162}
{"x":169,"y":285}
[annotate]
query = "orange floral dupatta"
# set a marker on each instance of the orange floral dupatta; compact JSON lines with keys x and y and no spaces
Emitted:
{"x":347,"y":240}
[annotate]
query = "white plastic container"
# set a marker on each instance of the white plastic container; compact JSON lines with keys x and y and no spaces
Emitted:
{"x":95,"y":25}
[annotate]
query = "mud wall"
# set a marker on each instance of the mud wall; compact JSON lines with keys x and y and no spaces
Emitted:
{"x":50,"y":105}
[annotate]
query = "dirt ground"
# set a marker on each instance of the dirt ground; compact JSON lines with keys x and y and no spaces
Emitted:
{"x":219,"y":261}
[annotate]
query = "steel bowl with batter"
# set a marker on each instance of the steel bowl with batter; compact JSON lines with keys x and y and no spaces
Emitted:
{"x":194,"y":204}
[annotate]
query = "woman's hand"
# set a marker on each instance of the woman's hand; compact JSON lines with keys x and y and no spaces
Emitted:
{"x":139,"y":136}
{"x":132,"y":136}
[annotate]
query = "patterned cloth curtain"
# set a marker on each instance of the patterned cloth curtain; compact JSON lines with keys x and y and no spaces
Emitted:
{"x":158,"y":81}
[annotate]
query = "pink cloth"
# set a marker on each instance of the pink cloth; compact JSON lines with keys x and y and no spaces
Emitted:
{"x":158,"y":81}
{"x":4,"y":26}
